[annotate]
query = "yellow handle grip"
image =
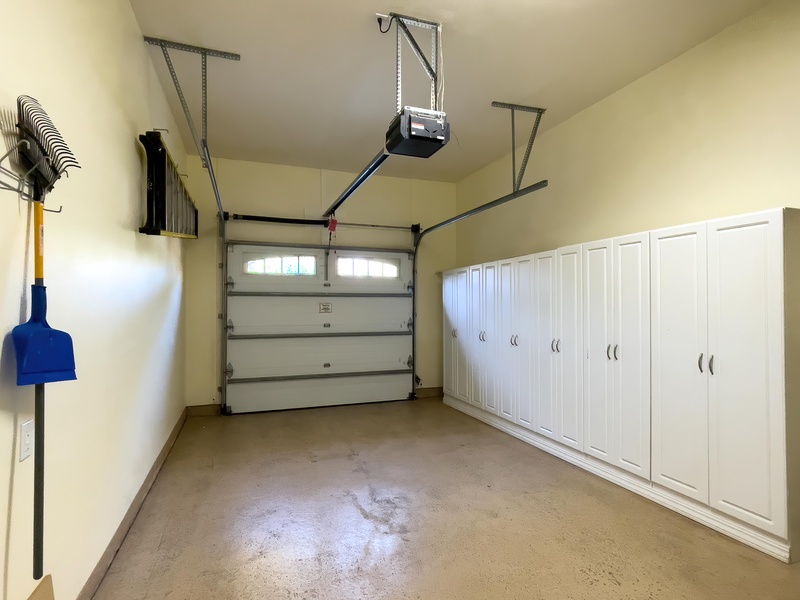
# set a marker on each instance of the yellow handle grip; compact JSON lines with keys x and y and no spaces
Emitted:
{"x":38,"y":238}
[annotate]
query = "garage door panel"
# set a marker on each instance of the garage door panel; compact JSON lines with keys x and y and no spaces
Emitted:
{"x":311,"y":328}
{"x":253,"y":315}
{"x":282,"y":395}
{"x":271,"y":358}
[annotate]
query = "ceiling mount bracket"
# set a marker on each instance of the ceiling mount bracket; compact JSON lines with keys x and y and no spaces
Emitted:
{"x":432,"y":68}
{"x":516,"y":178}
{"x":201,"y":143}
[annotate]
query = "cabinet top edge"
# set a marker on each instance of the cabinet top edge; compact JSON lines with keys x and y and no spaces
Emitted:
{"x":762,"y":213}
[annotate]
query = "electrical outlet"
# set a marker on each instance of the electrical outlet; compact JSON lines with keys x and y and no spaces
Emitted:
{"x":25,"y":440}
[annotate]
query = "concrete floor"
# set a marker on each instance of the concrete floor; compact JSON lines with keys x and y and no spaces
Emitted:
{"x":410,"y":500}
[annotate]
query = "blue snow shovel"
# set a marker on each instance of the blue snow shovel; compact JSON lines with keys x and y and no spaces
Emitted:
{"x":44,"y":354}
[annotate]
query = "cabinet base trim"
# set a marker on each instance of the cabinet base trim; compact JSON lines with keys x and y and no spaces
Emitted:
{"x":688,"y":508}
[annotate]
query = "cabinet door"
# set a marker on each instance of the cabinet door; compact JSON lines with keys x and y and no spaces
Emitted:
{"x":490,"y":338}
{"x":544,"y":354}
{"x":475,"y":345}
{"x":631,"y":354}
{"x":679,"y":360}
{"x":569,"y":347}
{"x":598,"y":344}
{"x":505,"y":300}
{"x":448,"y":306}
{"x":746,"y":386}
{"x":522,"y":319}
{"x":461,"y":335}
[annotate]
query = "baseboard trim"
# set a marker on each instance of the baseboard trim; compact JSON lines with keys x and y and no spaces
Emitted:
{"x":99,"y":572}
{"x":691,"y":509}
{"x":432,"y":392}
{"x":203,"y":410}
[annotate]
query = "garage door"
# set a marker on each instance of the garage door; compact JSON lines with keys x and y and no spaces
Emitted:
{"x":308,"y":326}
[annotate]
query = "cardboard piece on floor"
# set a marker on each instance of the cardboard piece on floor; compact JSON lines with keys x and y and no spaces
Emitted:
{"x":44,"y":591}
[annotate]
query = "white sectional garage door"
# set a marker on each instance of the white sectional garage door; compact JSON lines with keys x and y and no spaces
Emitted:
{"x":312,"y":327}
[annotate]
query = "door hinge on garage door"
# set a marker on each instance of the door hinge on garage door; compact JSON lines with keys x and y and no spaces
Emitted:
{"x":229,"y":371}
{"x":410,"y":361}
{"x":229,"y":283}
{"x":229,"y":326}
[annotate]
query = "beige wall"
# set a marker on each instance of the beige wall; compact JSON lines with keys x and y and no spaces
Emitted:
{"x":117,"y":292}
{"x":715,"y":132}
{"x":282,"y":191}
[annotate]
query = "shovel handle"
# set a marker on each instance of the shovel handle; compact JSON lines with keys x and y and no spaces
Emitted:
{"x":38,"y":481}
{"x":38,"y":240}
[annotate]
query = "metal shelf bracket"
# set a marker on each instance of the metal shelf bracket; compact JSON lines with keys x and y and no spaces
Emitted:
{"x":516,"y":178}
{"x":200,"y":141}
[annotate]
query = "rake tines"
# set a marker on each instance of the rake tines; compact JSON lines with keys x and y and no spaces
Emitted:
{"x":45,"y":154}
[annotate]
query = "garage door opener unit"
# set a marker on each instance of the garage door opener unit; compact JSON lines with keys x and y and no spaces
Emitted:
{"x":417,"y":132}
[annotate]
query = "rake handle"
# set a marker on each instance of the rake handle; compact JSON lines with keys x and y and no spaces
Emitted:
{"x":38,"y":239}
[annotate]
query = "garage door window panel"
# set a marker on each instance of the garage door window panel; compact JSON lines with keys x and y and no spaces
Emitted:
{"x":280,"y":265}
{"x":379,"y":268}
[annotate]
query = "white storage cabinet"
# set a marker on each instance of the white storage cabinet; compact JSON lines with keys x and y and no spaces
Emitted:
{"x":661,"y":361}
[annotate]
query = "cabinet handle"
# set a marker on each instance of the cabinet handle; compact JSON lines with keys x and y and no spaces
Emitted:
{"x":700,"y":362}
{"x":608,"y":352}
{"x":516,"y":338}
{"x":558,"y":345}
{"x":511,"y":341}
{"x":552,"y":345}
{"x":616,"y":347}
{"x":455,"y":333}
{"x":711,"y":364}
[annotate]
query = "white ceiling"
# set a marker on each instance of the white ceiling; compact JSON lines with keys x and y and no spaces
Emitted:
{"x":316,"y":83}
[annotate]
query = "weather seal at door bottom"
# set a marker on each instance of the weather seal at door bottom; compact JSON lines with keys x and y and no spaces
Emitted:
{"x":320,"y":376}
{"x":320,"y":294}
{"x":297,"y":336}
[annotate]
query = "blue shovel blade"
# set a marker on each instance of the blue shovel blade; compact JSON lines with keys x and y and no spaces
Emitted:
{"x":44,"y":354}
